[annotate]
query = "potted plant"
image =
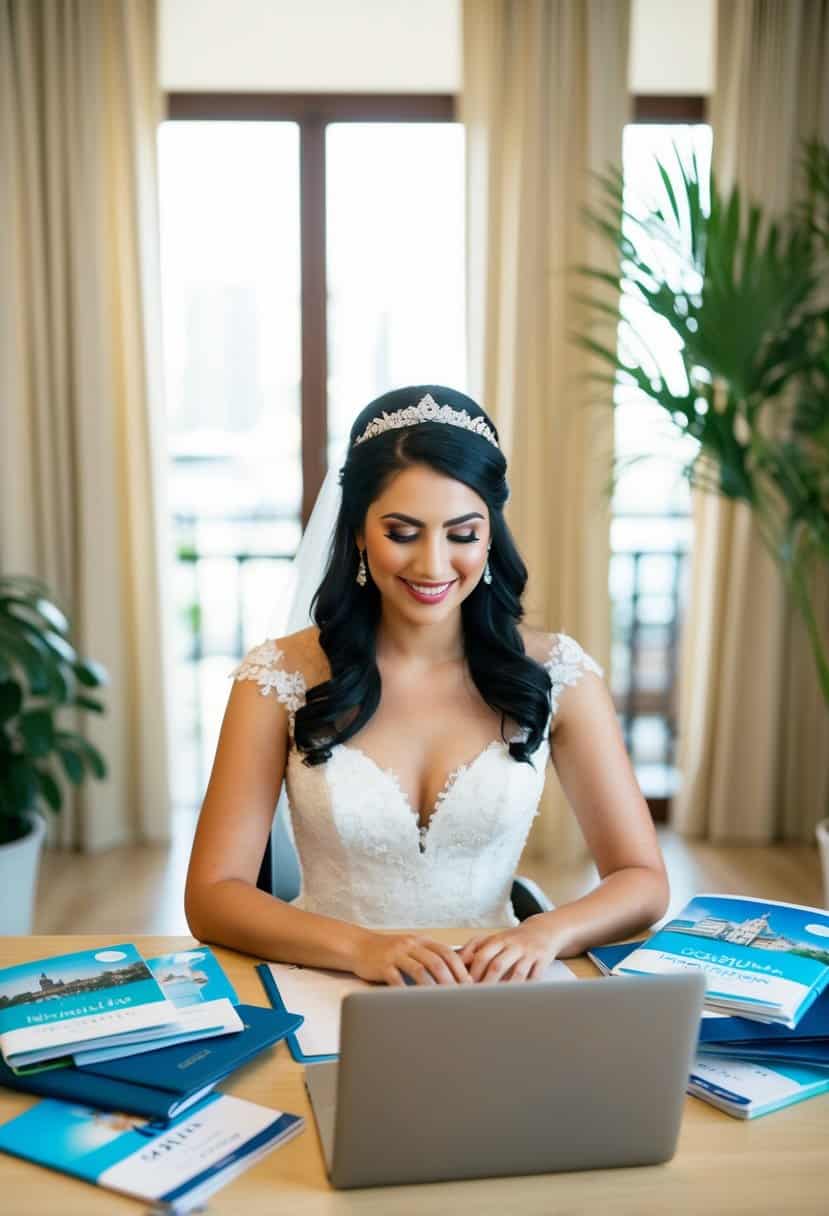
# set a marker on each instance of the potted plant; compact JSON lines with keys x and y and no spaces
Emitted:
{"x":43,"y":683}
{"x":745,"y":301}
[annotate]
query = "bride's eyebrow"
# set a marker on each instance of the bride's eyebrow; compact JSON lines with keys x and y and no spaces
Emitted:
{"x":418,"y":523}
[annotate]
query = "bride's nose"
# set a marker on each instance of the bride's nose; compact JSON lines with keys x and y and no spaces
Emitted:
{"x":432,"y":558}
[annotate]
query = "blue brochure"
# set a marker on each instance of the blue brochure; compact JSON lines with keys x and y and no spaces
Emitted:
{"x":192,"y":977}
{"x":747,"y":1089}
{"x":746,"y":1039}
{"x":813,"y":1027}
{"x":54,"y":1006}
{"x":763,"y":960}
{"x":194,"y":982}
{"x":179,"y":1164}
{"x":163,"y":1083}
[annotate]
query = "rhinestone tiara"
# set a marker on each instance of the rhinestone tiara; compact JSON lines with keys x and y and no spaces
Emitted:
{"x":426,"y":410}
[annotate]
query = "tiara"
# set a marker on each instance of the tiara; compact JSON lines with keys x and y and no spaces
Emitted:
{"x":426,"y":410}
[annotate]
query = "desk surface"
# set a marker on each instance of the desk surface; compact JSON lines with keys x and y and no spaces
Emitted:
{"x":777,"y":1163}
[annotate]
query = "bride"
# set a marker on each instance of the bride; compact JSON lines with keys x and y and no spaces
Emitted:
{"x":412,"y":724}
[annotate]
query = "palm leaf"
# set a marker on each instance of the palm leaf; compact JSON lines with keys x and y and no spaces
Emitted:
{"x":740,"y":292}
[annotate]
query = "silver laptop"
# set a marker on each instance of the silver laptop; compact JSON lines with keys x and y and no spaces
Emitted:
{"x":471,"y":1082}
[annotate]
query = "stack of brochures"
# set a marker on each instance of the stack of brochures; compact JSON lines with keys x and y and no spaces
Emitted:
{"x":113,"y":1032}
{"x":94,"y":999}
{"x":768,"y":961}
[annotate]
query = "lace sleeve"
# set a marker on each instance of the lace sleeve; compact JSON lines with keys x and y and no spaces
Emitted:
{"x":566,"y":665}
{"x":262,"y":666}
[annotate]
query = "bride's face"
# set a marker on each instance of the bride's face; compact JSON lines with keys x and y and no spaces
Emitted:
{"x":426,"y":539}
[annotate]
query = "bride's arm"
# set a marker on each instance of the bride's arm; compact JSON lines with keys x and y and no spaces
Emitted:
{"x":598,"y":779}
{"x":222,"y":902}
{"x":221,"y":899}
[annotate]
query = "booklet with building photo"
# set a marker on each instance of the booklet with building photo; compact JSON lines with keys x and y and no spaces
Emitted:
{"x":54,"y":1006}
{"x":762,"y":960}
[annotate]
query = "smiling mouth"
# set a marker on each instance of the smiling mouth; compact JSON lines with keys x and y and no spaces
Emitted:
{"x":428,"y":592}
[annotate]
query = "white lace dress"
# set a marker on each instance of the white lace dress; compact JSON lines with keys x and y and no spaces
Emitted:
{"x":363,"y":854}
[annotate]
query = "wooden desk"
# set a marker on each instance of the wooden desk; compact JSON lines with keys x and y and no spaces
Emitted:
{"x":777,"y":1164}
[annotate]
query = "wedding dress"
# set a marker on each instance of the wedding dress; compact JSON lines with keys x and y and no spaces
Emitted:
{"x":363,"y":853}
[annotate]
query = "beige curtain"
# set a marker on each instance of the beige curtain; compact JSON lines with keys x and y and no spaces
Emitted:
{"x":544,"y":101}
{"x":80,"y":369}
{"x":754,"y":733}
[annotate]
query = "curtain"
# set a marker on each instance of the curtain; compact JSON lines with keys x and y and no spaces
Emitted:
{"x":80,"y":374}
{"x":754,"y":732}
{"x":544,"y":102}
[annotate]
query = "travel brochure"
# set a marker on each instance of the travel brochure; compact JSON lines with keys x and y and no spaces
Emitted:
{"x":53,"y":1007}
{"x":160,"y":1084}
{"x":139,"y":1114}
{"x":763,"y":960}
{"x":177,"y":1164}
{"x":745,"y":1066}
{"x":747,"y":1089}
{"x":204,"y":999}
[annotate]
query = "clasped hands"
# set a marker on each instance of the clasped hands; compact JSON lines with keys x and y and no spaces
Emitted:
{"x":512,"y":955}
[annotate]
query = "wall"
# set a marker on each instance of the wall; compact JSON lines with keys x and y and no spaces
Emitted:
{"x":328,"y":46}
{"x":399,"y":46}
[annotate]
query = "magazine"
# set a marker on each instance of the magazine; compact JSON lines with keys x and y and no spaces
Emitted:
{"x":762,"y":960}
{"x":53,"y":1007}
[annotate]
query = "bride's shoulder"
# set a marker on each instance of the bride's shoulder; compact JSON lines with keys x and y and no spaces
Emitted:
{"x":558,"y":652}
{"x":291,"y":663}
{"x":301,"y":651}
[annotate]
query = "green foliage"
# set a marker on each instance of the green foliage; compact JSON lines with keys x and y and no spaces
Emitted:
{"x":43,"y":683}
{"x":745,"y":298}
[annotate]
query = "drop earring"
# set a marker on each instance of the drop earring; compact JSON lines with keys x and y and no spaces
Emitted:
{"x":361,"y":570}
{"x":487,"y":571}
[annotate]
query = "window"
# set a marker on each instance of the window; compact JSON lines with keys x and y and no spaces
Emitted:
{"x":396,"y":257}
{"x":651,"y":526}
{"x":314,"y":233}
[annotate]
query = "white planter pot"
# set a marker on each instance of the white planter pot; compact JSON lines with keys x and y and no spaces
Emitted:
{"x":18,"y":878}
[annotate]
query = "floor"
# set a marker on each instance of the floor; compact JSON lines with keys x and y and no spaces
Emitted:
{"x":139,"y":889}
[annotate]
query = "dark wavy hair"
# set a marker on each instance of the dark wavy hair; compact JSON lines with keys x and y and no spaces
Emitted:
{"x":347,"y":614}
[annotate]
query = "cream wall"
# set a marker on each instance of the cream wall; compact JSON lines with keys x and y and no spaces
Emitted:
{"x":316,"y":46}
{"x":399,"y":46}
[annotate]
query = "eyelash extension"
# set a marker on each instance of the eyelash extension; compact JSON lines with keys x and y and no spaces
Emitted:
{"x":407,"y":540}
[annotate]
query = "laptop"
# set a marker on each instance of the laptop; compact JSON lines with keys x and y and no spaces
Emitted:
{"x":443,"y":1083}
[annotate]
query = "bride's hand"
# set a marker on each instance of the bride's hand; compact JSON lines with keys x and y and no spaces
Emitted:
{"x":522,"y":953}
{"x":385,"y":958}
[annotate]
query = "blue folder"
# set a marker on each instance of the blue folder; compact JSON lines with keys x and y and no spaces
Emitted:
{"x":160,"y":1084}
{"x":275,"y":998}
{"x":813,"y":1053}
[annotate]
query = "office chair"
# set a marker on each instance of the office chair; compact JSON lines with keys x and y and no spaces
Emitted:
{"x":279,"y":872}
